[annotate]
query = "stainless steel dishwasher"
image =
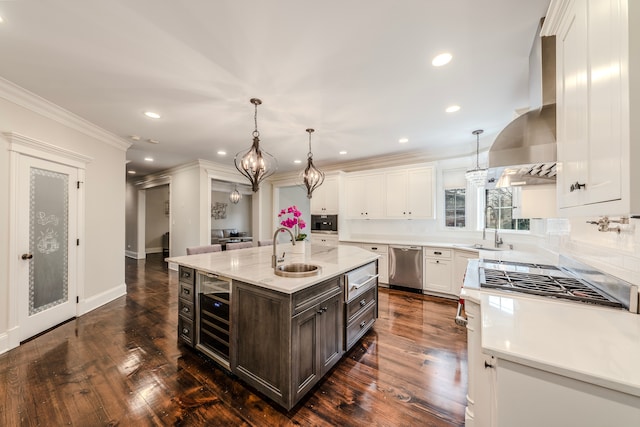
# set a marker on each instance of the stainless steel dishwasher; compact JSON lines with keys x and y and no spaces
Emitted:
{"x":405,"y":267}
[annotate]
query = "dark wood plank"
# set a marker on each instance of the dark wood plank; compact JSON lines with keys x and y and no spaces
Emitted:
{"x":121,"y":365}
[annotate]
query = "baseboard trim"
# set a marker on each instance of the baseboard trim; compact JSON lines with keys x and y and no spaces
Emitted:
{"x":4,"y":343}
{"x":91,"y":303}
{"x":154,"y":250}
{"x":132,"y":254}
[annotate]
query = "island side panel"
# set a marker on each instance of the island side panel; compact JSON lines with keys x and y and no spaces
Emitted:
{"x":260,"y":339}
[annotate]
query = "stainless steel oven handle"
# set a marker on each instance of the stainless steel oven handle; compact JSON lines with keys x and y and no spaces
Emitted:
{"x":462,"y":321}
{"x":366,"y":282}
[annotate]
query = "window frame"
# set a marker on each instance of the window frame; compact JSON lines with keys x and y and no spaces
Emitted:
{"x":455,"y":209}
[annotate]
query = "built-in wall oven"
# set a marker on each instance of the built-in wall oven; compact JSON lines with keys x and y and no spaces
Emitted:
{"x":213,"y":305}
{"x":327,"y":224}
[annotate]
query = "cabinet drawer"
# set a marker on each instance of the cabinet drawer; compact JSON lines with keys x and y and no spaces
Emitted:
{"x":185,"y":330}
{"x":309,"y":297}
{"x":438,"y":253}
{"x":383,"y":249}
{"x":187,"y":275}
{"x":359,"y":280}
{"x":186,"y":292}
{"x":361,"y":304}
{"x":360,"y":325}
{"x":185,"y":308}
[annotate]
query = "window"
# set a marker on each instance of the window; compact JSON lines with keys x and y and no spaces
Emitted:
{"x":454,"y":207}
{"x":499,"y":211}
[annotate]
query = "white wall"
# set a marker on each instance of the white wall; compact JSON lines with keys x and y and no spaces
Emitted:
{"x":156,"y":220}
{"x":104,"y":189}
{"x":293,"y":196}
{"x":186,"y":205}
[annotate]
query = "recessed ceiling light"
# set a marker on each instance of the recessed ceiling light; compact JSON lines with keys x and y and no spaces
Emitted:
{"x":297,"y":161}
{"x":131,"y":172}
{"x":442,"y":59}
{"x":222,"y":153}
{"x":152,"y":115}
{"x":1,"y":20}
{"x":153,"y":141}
{"x":403,"y":140}
{"x":148,"y":159}
{"x":452,"y":109}
{"x":135,"y":138}
{"x":343,"y":152}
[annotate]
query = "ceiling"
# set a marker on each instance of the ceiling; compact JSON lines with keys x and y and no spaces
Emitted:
{"x":358,"y":71}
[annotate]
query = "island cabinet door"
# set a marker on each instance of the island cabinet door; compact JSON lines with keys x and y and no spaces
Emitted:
{"x":317,"y":343}
{"x":305,"y":366}
{"x":331,"y":327}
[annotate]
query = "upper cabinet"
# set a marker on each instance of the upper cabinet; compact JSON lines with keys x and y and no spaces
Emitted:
{"x":409,"y":193}
{"x":325,"y":197}
{"x":391,"y":193}
{"x":597,"y":65}
{"x":363,"y":194}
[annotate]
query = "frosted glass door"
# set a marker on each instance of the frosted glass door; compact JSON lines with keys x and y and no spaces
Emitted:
{"x":47,"y":225}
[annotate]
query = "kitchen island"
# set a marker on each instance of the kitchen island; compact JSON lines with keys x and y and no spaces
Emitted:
{"x":281,"y":335}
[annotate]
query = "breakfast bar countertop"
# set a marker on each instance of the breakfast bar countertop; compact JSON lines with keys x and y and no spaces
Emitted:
{"x":253,"y":265}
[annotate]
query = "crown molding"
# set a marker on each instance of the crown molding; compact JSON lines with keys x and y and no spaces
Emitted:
{"x":34,"y":147}
{"x":29,"y":100}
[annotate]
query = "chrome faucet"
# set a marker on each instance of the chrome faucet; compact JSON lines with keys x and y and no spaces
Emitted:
{"x":274,"y":258}
{"x":497,"y":241}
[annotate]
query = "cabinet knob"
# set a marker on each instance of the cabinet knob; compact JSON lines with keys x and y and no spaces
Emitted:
{"x":186,"y":291}
{"x":185,"y":309}
{"x":362,"y":324}
{"x":185,"y":331}
{"x":437,"y":261}
{"x":363,"y":303}
{"x":577,"y":186}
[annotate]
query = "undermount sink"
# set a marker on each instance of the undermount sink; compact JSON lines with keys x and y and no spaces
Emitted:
{"x":480,"y":247}
{"x":297,"y":269}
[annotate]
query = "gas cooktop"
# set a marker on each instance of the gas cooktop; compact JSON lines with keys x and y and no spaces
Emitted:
{"x":541,"y":279}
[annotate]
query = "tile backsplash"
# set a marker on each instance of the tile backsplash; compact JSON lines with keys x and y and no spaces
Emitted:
{"x":614,"y":253}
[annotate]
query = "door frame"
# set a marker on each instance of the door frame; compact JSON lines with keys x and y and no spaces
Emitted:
{"x":18,"y":146}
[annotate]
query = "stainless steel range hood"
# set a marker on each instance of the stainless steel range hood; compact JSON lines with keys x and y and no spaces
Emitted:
{"x":524,"y":153}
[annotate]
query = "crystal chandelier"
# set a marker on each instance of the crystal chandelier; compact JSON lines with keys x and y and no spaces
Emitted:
{"x":477,"y":177}
{"x":235,"y":196}
{"x":311,"y":176}
{"x":255,"y":163}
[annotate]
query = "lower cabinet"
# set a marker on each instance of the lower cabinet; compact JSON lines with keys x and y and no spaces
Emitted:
{"x":460,"y":260}
{"x":317,"y":341}
{"x":438,"y":269}
{"x":481,"y":397}
{"x":323,"y":239}
{"x":283,"y":344}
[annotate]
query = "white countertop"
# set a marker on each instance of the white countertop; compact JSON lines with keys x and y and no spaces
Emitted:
{"x":598,"y":345}
{"x":253,"y":265}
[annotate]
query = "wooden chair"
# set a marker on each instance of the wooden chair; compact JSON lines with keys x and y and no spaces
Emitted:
{"x":204,"y":249}
{"x":239,"y":245}
{"x":265,"y":242}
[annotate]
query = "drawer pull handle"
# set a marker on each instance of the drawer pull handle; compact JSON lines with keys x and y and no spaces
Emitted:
{"x":363,"y":303}
{"x":359,"y":285}
{"x":362,"y":325}
{"x":186,"y":291}
{"x":437,"y":253}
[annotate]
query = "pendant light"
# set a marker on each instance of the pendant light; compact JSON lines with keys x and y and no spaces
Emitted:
{"x":255,"y":163}
{"x":235,"y":196}
{"x":311,"y":176}
{"x":477,"y":177}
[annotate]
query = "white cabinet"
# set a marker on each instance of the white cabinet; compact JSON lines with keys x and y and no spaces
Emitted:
{"x":364,"y":196}
{"x":324,"y":200}
{"x":460,"y":260}
{"x":409,"y":193}
{"x":596,"y":62}
{"x":482,"y":382}
{"x":438,"y":264}
{"x":324,"y":239}
{"x":383,"y":261}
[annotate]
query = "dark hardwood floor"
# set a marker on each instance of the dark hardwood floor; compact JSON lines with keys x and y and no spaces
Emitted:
{"x":120,"y":365}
